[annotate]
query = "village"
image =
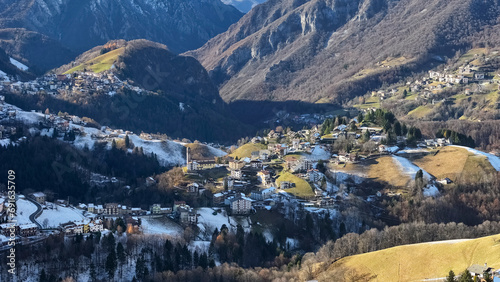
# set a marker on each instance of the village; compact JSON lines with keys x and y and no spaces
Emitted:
{"x":473,"y":76}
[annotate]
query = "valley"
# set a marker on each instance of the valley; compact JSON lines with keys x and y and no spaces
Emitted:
{"x":249,"y":140}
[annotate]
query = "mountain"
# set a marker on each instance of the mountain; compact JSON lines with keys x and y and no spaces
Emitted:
{"x":244,"y":5}
{"x":80,"y":25}
{"x":37,"y":51}
{"x":157,"y":91}
{"x":324,"y":50}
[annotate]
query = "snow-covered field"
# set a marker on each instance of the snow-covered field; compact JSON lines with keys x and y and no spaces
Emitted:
{"x":207,"y":220}
{"x":494,"y":160}
{"x":160,"y":225}
{"x":168,"y":152}
{"x":58,"y":215}
{"x":18,"y":64}
{"x":216,"y":152}
{"x":319,"y":153}
{"x":29,"y":117}
{"x":412,"y":151}
{"x":409,"y":168}
{"x":24,"y":209}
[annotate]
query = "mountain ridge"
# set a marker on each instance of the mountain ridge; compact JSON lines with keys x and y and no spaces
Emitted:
{"x":310,"y":50}
{"x":81,"y":25}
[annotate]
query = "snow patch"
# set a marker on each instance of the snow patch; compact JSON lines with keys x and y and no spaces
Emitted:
{"x":24,"y":209}
{"x":55,"y":215}
{"x":160,"y":226}
{"x":409,"y":168}
{"x":431,"y":191}
{"x":319,"y":153}
{"x":18,"y":64}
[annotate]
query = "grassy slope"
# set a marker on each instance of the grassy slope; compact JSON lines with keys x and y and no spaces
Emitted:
{"x":451,"y":162}
{"x":100,"y":63}
{"x":385,"y":170}
{"x":421,"y":261}
{"x":246,"y":150}
{"x":302,"y":187}
{"x":200,"y":152}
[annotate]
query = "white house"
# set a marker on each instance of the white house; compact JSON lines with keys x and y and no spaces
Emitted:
{"x":240,"y":205}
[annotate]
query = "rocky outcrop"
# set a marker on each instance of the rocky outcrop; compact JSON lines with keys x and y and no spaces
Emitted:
{"x":313,"y":50}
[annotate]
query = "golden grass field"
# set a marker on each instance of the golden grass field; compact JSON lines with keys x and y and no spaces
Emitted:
{"x":453,"y":162}
{"x":246,"y":150}
{"x":385,"y":170}
{"x":100,"y":63}
{"x":302,"y":187}
{"x":420,"y":261}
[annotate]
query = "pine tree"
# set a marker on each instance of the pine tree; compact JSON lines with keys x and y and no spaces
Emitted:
{"x":487,"y":277}
{"x":366,"y":135}
{"x":127,"y":141}
{"x":451,"y":277}
{"x":466,"y":277}
{"x":43,"y":276}
{"x":111,"y":263}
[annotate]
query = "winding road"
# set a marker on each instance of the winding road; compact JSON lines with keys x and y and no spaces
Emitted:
{"x":37,"y":213}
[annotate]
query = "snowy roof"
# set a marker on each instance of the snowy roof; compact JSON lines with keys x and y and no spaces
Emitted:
{"x":268,"y":190}
{"x":38,"y":194}
{"x":27,"y":226}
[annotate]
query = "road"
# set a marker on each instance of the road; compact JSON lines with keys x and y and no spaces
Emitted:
{"x":37,"y":213}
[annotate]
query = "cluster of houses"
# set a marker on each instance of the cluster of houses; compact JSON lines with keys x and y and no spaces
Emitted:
{"x":69,"y":84}
{"x":114,"y":209}
{"x":435,"y":81}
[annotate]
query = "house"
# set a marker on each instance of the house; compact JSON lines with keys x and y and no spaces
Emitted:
{"x":262,"y":194}
{"x":219,"y":198}
{"x":314,"y":175}
{"x":155,"y":209}
{"x":99,"y":209}
{"x":286,"y":185}
{"x":236,"y":165}
{"x":111,"y":209}
{"x":264,"y":177}
{"x":193,"y":187}
{"x":236,"y":174}
{"x":479,"y":270}
{"x":26,"y":230}
{"x":91,"y":208}
{"x":178,"y":204}
{"x":192,"y":217}
{"x":184,"y":213}
{"x":348,"y":158}
{"x":240,"y":205}
{"x":39,"y":197}
{"x":192,"y":166}
{"x":206,"y":164}
{"x":96,"y":226}
{"x":255,"y":155}
{"x":256,"y":164}
{"x":264,"y":154}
